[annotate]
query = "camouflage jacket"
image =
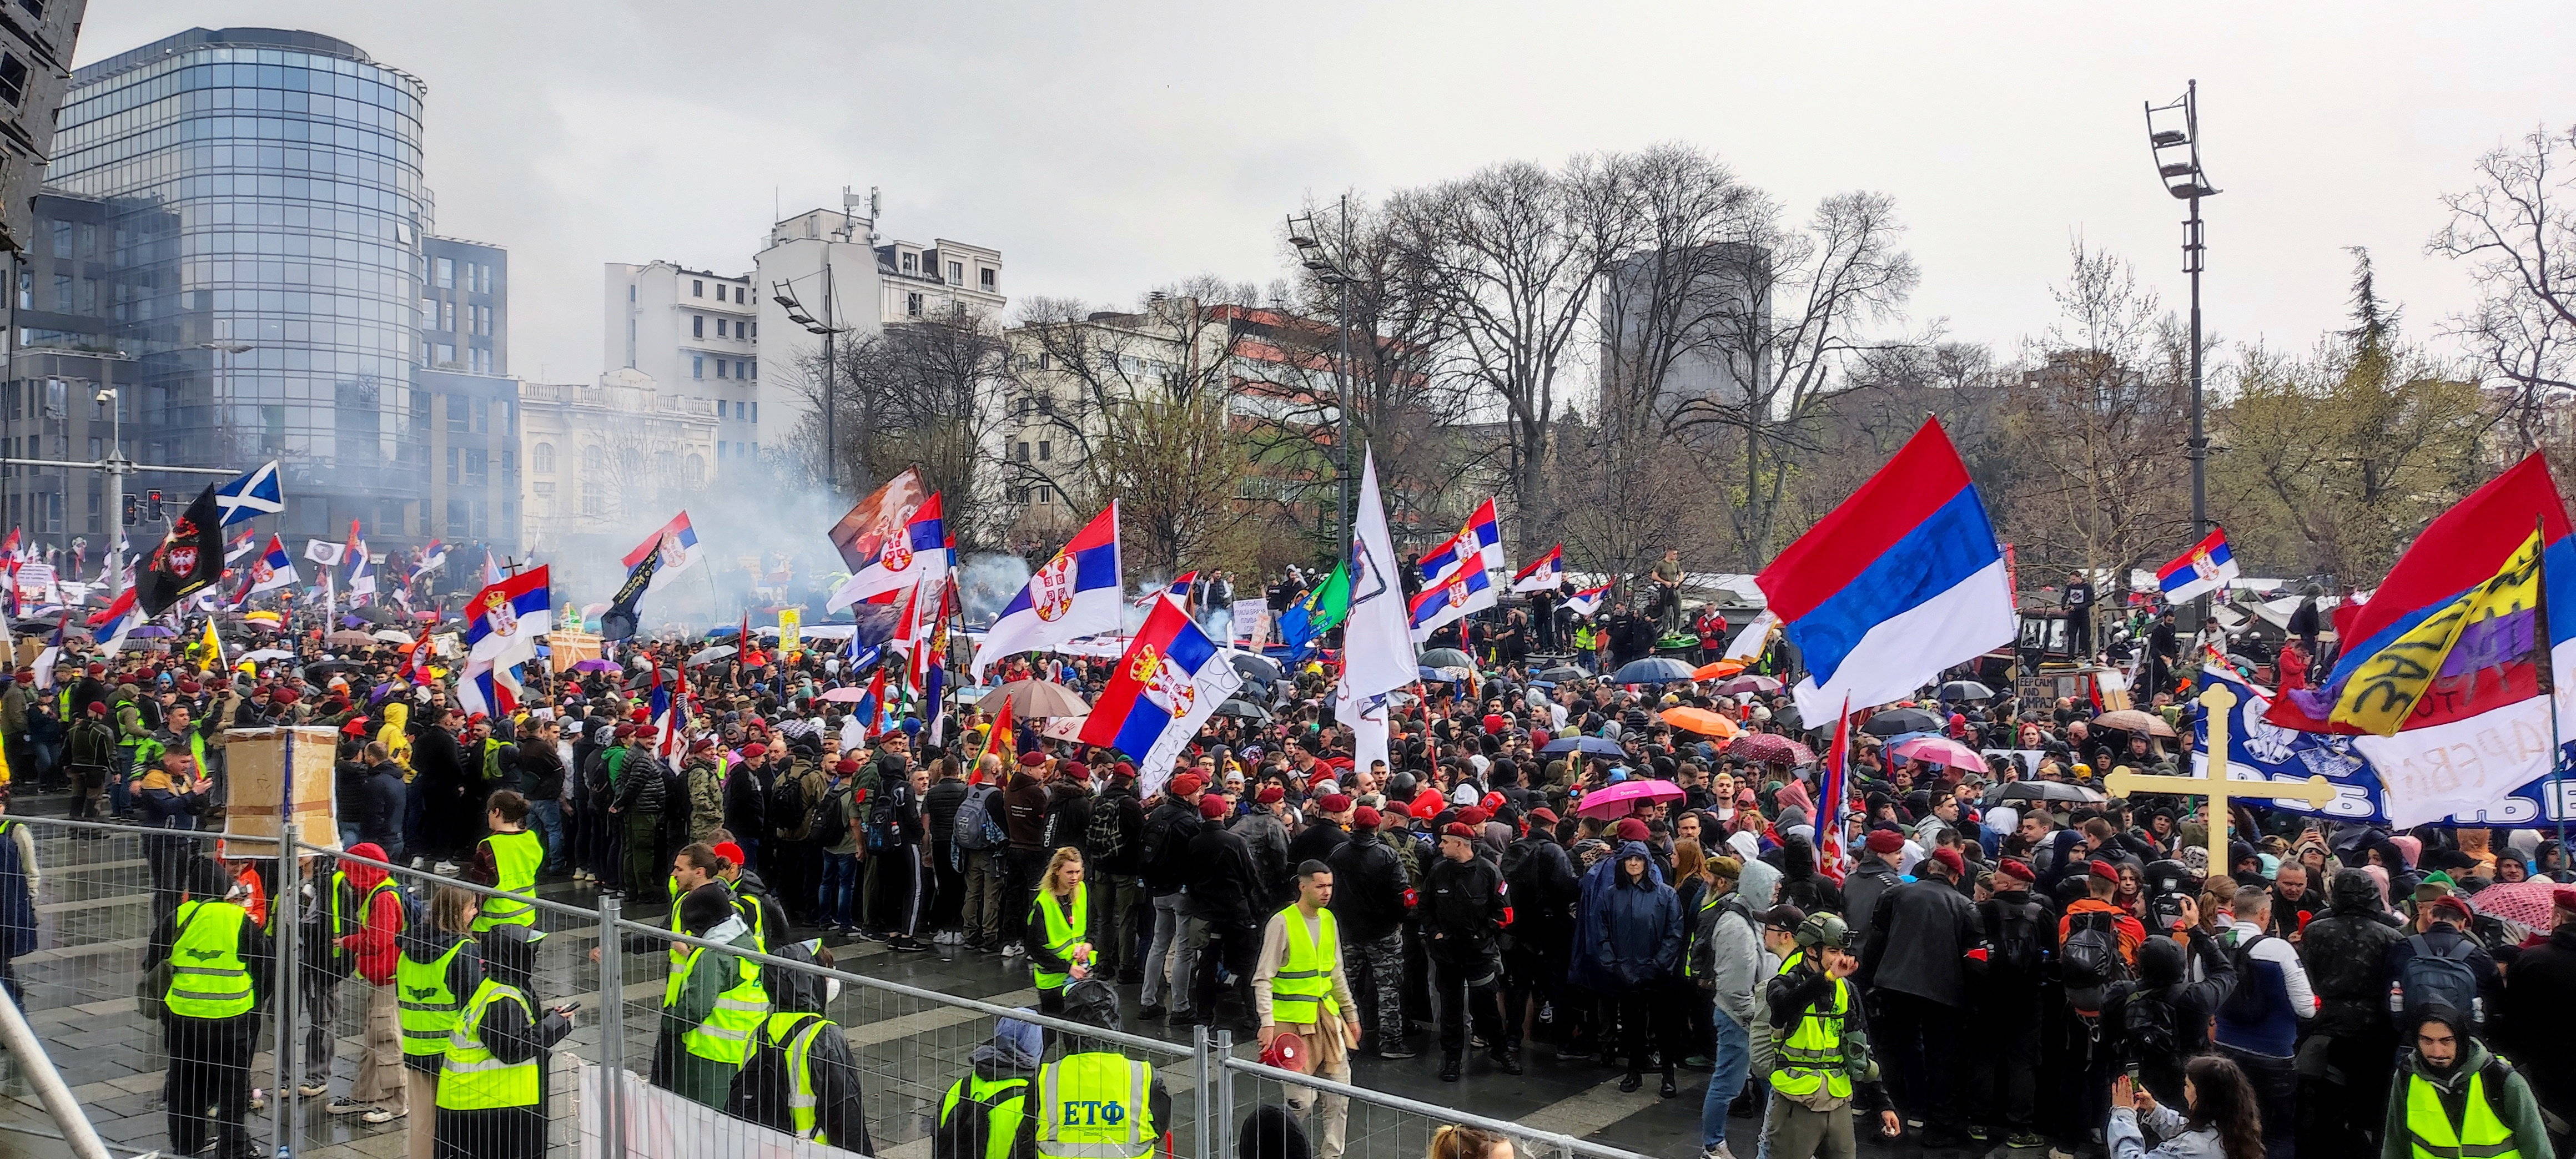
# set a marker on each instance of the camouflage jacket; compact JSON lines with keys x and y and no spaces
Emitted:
{"x":706,"y":778}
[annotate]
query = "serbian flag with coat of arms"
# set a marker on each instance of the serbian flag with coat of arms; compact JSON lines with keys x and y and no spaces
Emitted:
{"x":1468,"y":591}
{"x":2205,"y":568}
{"x":906,"y":557}
{"x":1167,"y":685}
{"x":1544,"y":574}
{"x":1479,"y":544}
{"x":1078,"y":593}
{"x":504,"y":620}
{"x":676,"y":541}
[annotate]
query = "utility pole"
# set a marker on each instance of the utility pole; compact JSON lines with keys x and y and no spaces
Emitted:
{"x":2173,"y":139}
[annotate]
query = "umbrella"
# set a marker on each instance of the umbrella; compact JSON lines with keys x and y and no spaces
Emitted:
{"x":1433,"y":676}
{"x":1966,"y":690}
{"x":1701,"y":721}
{"x":1652,"y":670}
{"x":594,"y":665}
{"x":1717,"y":671}
{"x":1446,"y":658}
{"x":1587,"y":745}
{"x":321,"y":671}
{"x":344,"y":638}
{"x":704,"y":655}
{"x":390,"y":636}
{"x":1038,"y":698}
{"x":2045,"y":791}
{"x":1564,"y":674}
{"x":2523,"y":903}
{"x":1626,"y":795}
{"x":846,"y":694}
{"x":1772,"y":747}
{"x":266,"y":654}
{"x":1939,"y":750}
{"x":157,"y":632}
{"x":1789,"y":718}
{"x":1743,"y":684}
{"x":1243,"y":709}
{"x":2132,"y":720}
{"x":1254,"y":665}
{"x":1901,"y":720}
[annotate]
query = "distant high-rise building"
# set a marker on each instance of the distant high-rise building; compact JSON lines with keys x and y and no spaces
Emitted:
{"x":695,"y":333}
{"x":464,"y":372}
{"x":263,"y":214}
{"x":1678,"y":317}
{"x":35,"y":56}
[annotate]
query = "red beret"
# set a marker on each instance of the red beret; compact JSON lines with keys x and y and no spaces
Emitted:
{"x":702,"y":744}
{"x":1186,"y":784}
{"x":1454,"y":829}
{"x":191,"y":687}
{"x":847,"y":765}
{"x":2016,"y":867}
{"x":1474,"y":817}
{"x":98,"y":707}
{"x":1270,"y":795}
{"x":1334,"y":803}
{"x":1123,"y":771}
{"x":1884,"y":841}
{"x":1076,"y":770}
{"x":98,"y":669}
{"x":2103,"y":869}
{"x":2459,"y":906}
{"x":1397,"y":809}
{"x":1543,"y":813}
{"x":1950,"y":860}
{"x":1032,"y":759}
{"x":1632,"y":829}
{"x":2564,"y":897}
{"x":1212,"y":807}
{"x":1365,"y":817}
{"x":754,"y":749}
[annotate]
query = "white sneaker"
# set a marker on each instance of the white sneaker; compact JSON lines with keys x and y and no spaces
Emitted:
{"x":1717,"y":1152}
{"x":382,"y":1115}
{"x":447,"y":869}
{"x":1015,"y":950}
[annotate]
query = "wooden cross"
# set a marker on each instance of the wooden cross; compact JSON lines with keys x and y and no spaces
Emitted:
{"x":2215,"y":785}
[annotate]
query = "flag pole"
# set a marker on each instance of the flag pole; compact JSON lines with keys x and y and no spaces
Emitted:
{"x":2549,"y":683}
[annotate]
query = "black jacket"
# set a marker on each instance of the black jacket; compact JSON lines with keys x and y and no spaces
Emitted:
{"x":2163,"y":977}
{"x":380,"y":809}
{"x":2345,"y":951}
{"x":746,"y":802}
{"x":1223,"y":886}
{"x":1924,"y":933}
{"x":1120,"y":800}
{"x":643,"y":785}
{"x":1165,"y":853}
{"x":1368,"y":889}
{"x":1316,"y":842}
{"x":1868,"y":881}
{"x":2536,"y":1019}
{"x":1462,"y":909}
{"x":541,"y":771}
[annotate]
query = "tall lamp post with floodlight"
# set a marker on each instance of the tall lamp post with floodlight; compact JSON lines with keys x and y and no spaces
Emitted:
{"x":1310,"y":251}
{"x":2173,"y":139}
{"x":786,"y":299}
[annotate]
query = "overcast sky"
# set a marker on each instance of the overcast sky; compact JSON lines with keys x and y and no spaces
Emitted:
{"x":1106,"y":148}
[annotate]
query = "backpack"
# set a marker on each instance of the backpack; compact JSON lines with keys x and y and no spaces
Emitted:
{"x":787,"y":805}
{"x":2090,"y":960}
{"x":2250,"y":1001}
{"x":2148,"y":1029}
{"x":2429,"y":977}
{"x":962,"y":1128}
{"x":979,"y":825}
{"x":1104,"y":839}
{"x":2021,"y":941}
{"x":827,"y":821}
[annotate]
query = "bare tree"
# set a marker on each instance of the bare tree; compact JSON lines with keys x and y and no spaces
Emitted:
{"x":923,"y":394}
{"x":2520,"y":242}
{"x":1664,"y":302}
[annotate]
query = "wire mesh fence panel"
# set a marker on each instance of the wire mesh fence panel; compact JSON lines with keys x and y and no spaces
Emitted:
{"x":1336,"y":1119}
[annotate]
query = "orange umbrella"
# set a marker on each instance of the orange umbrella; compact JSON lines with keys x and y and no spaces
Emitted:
{"x":1718,"y":671}
{"x":1701,"y":721}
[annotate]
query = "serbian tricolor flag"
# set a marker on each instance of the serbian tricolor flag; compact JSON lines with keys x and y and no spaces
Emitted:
{"x":2445,"y":682}
{"x":416,"y":660}
{"x":504,"y":620}
{"x":1169,"y":683}
{"x":670,"y":712}
{"x":273,"y":569}
{"x":677,"y":543}
{"x":1832,"y":790}
{"x":109,"y":627}
{"x":1178,"y":589}
{"x":1469,"y":590}
{"x":1588,"y":600}
{"x":1544,"y":574}
{"x":903,"y":557}
{"x":1901,"y":581}
{"x":2205,"y":568}
{"x":1078,"y":593}
{"x":1479,"y":544}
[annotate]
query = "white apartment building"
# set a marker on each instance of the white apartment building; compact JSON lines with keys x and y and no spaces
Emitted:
{"x":595,"y":450}
{"x":697,"y":332}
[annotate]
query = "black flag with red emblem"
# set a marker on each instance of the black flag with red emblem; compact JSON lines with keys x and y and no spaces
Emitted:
{"x":190,"y":558}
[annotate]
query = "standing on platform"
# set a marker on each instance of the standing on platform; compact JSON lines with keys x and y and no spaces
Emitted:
{"x":220,"y":965}
{"x":492,"y":1083}
{"x":1299,"y":987}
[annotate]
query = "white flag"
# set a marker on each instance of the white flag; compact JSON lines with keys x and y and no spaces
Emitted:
{"x":1377,"y":638}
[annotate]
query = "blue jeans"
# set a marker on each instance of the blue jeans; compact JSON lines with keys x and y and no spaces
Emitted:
{"x":840,"y":887}
{"x":1732,"y":1059}
{"x":548,"y":822}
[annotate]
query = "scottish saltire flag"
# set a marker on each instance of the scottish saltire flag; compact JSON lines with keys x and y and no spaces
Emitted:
{"x":1544,"y":574}
{"x":1479,"y":544}
{"x":677,"y":544}
{"x":1471,"y":589}
{"x":253,"y":494}
{"x":2441,"y":675}
{"x":900,"y":557}
{"x":1902,"y":580}
{"x":432,"y":558}
{"x":2205,"y":568}
{"x":111,"y":626}
{"x":1587,"y":601}
{"x":503,"y":622}
{"x":1168,"y":684}
{"x":1078,"y":593}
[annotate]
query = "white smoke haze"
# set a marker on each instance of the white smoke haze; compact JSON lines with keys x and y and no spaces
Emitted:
{"x":986,"y":581}
{"x":741,"y":517}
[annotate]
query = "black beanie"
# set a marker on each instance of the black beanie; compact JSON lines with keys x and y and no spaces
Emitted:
{"x":705,"y":908}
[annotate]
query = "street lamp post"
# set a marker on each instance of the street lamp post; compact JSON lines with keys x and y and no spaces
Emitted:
{"x":2173,"y":139}
{"x":1301,"y":233}
{"x":786,"y":298}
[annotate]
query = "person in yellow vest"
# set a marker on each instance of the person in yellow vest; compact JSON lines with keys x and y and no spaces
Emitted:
{"x":1059,"y":924}
{"x":801,"y":1077}
{"x":1298,"y":986}
{"x":437,"y":969}
{"x":492,"y":1080}
{"x":506,"y":860}
{"x":1822,"y":1067}
{"x":220,"y":962}
{"x":712,"y":1005}
{"x":2452,"y":1098}
{"x":985,"y":1115}
{"x":1097,"y":1103}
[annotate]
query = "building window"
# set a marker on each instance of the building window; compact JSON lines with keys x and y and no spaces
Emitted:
{"x":541,"y":458}
{"x":447,"y":355}
{"x":62,"y":239}
{"x":697,"y":325}
{"x":1046,"y":451}
{"x":447,"y":316}
{"x":13,"y":78}
{"x":755,"y":369}
{"x":697,"y":469}
{"x":912,"y":305}
{"x":720,"y":368}
{"x":455,"y":471}
{"x":755,"y":410}
{"x":912,"y":263}
{"x":720,"y":327}
{"x":697,"y":288}
{"x":446,"y":273}
{"x":1020,"y":452}
{"x":738,"y":298}
{"x":988,"y":277}
{"x":697,"y":366}
{"x":956,"y":273}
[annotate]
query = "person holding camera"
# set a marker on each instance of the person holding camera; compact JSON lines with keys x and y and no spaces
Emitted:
{"x":2164,"y":1020}
{"x":1821,"y":1067}
{"x":2218,"y":1119}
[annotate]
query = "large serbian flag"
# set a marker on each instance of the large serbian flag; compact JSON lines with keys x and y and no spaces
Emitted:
{"x":2440,"y":682}
{"x":1078,"y":593}
{"x":1447,"y":603}
{"x":1901,"y":581}
{"x":1544,"y":574}
{"x":505,"y":620}
{"x":1168,"y":684}
{"x":1478,"y":544}
{"x":2205,"y":568}
{"x":676,"y":542}
{"x":904,"y":558}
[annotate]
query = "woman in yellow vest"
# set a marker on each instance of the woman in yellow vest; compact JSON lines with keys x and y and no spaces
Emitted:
{"x":438,"y":968}
{"x":713,"y":1004}
{"x":801,"y":1078}
{"x":492,"y":1080}
{"x":507,"y":860}
{"x":220,"y":964}
{"x":1060,"y":916}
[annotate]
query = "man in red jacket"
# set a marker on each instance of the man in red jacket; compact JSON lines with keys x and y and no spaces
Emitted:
{"x":375,"y":908}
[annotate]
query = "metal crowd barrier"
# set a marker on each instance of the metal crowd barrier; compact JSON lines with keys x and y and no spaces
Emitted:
{"x":101,"y":895}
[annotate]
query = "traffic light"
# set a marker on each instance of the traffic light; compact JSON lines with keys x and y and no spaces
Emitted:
{"x":133,"y":509}
{"x":152,"y":505}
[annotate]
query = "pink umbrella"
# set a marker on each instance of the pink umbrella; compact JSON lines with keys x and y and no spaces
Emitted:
{"x":1939,"y":750}
{"x":1772,"y":747}
{"x":846,"y":694}
{"x":2523,"y":903}
{"x":1749,"y":682}
{"x":1625,"y":796}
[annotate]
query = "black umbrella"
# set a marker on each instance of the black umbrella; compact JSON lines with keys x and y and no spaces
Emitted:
{"x":1897,"y":722}
{"x":1246,"y":711}
{"x":322,"y":671}
{"x":1564,"y":673}
{"x":1789,"y":718}
{"x":2045,"y":791}
{"x":1966,"y":690}
{"x":1254,"y":665}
